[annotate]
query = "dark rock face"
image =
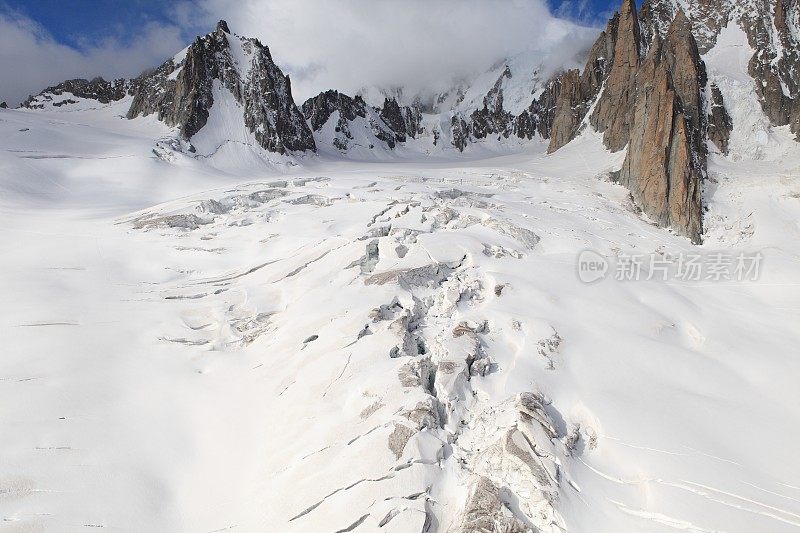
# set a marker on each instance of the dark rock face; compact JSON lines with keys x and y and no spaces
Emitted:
{"x":460,"y":131}
{"x":543,"y":110}
{"x":776,"y":63}
{"x":404,"y":121}
{"x":665,"y":162}
{"x":651,"y":102}
{"x":184,"y":99}
{"x":612,"y":116}
{"x":493,"y":119}
{"x":97,"y":89}
{"x":355,"y":113}
{"x":775,"y":66}
{"x":719,"y":122}
{"x":578,"y":90}
{"x":525,"y":125}
{"x":318,"y":110}
{"x":3,"y":105}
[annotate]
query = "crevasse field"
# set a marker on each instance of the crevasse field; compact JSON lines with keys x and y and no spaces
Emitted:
{"x":224,"y":343}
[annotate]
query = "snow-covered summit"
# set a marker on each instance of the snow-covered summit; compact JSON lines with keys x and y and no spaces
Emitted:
{"x":224,"y":66}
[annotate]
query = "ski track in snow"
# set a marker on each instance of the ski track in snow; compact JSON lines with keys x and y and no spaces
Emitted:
{"x":398,"y":346}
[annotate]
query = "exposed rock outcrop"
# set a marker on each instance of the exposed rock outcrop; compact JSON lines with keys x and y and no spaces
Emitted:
{"x":664,"y":110}
{"x":96,"y":89}
{"x":182,"y":94}
{"x":569,"y":111}
{"x":577,"y":90}
{"x":665,"y":162}
{"x":460,"y":131}
{"x":492,"y":119}
{"x":356,"y":123}
{"x":654,"y":105}
{"x":541,"y":113}
{"x":612,"y":116}
{"x":485,"y":511}
{"x":773,"y":31}
{"x":719,"y":122}
{"x":404,"y":121}
{"x":3,"y":105}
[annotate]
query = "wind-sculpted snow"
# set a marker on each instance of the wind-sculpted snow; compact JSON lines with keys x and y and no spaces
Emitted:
{"x":402,"y":365}
{"x":408,"y":389}
{"x":385,"y":347}
{"x":426,"y":415}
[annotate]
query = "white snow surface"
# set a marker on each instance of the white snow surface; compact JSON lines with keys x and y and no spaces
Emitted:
{"x":530,"y":70}
{"x":752,"y":137}
{"x":201,"y":344}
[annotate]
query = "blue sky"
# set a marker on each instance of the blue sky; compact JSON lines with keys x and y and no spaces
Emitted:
{"x":73,"y":22}
{"x":46,"y":41}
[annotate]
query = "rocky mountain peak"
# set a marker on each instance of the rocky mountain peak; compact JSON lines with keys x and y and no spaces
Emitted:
{"x":183,"y":90}
{"x":222,"y":27}
{"x":346,"y":122}
{"x":656,"y":99}
{"x":612,"y":116}
{"x":773,"y":32}
{"x":688,"y":70}
{"x":665,"y":161}
{"x":404,"y":121}
{"x":96,"y":89}
{"x":652,"y":103}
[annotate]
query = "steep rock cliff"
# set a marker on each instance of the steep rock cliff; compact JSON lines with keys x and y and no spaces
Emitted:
{"x":180,"y":91}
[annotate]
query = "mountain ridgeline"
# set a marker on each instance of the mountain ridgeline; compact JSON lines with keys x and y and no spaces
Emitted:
{"x":644,"y":87}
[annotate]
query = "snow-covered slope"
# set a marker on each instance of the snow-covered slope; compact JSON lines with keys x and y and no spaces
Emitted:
{"x":752,"y":136}
{"x":192,"y":344}
{"x":201,"y":334}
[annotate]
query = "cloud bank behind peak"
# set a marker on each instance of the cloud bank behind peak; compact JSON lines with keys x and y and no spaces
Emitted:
{"x":420,"y":45}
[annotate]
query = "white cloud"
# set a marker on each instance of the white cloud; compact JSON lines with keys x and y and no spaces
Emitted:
{"x":419,"y":44}
{"x":422,"y":45}
{"x":31,"y":59}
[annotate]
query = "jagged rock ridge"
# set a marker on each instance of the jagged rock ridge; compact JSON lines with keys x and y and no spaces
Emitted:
{"x":493,"y":119}
{"x":356,"y":123}
{"x":181,"y":91}
{"x":665,"y":161}
{"x":96,"y":89}
{"x":655,"y":99}
{"x":650,"y":99}
{"x":773,"y":31}
{"x":182,"y":94}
